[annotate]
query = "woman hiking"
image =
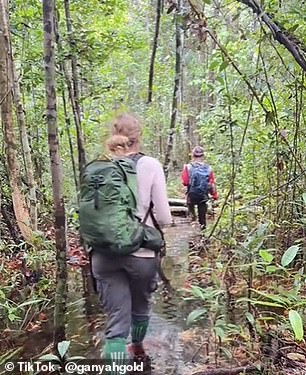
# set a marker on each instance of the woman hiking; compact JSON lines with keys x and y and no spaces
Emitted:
{"x":125,"y":283}
{"x":199,"y":179}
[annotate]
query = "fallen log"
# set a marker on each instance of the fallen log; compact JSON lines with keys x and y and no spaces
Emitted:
{"x":228,"y":371}
{"x":179,"y":210}
{"x":177,"y":202}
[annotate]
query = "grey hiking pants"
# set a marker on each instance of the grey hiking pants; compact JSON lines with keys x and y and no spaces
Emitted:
{"x":125,"y":285}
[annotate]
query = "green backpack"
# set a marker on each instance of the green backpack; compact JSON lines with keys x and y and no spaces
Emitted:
{"x":107,"y":212}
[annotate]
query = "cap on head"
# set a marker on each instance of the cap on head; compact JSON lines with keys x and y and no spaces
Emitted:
{"x":198,"y":151}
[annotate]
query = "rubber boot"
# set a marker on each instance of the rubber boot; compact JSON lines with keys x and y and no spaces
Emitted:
{"x":114,"y":352}
{"x":138,"y":333}
{"x":139,"y":330}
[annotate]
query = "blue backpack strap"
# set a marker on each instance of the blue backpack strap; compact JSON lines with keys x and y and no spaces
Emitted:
{"x":208,"y":168}
{"x":190,"y":166}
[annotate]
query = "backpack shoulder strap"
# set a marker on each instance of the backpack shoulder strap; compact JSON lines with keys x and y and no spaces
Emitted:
{"x":189,"y":166}
{"x":128,"y":179}
{"x":100,"y":159}
{"x":207,"y":166}
{"x":155,"y":223}
{"x":136,"y":157}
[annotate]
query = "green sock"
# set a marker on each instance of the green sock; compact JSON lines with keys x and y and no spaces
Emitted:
{"x":139,"y":330}
{"x":114,"y":352}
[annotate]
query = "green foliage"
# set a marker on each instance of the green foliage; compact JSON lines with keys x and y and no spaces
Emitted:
{"x":112,"y":42}
{"x":255,"y":143}
{"x":208,"y":294}
{"x":266,"y":256}
{"x":275,"y":304}
{"x":296,"y":324}
{"x":12,"y":311}
{"x":175,"y":188}
{"x":289,"y":255}
{"x":195,"y":315}
{"x":62,"y":357}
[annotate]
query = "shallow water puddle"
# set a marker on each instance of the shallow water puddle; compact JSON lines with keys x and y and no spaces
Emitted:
{"x":163,"y":342}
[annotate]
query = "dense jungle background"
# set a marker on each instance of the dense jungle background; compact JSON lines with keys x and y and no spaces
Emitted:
{"x":226,"y":74}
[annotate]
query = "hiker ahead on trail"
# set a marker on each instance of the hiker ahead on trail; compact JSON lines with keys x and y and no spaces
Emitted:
{"x":200,"y":181}
{"x":116,"y":194}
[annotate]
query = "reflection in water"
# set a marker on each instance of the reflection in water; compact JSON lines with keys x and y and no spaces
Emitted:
{"x":84,"y":317}
{"x":175,"y":268}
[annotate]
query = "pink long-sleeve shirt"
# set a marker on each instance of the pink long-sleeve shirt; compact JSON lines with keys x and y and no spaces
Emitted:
{"x":151,"y":186}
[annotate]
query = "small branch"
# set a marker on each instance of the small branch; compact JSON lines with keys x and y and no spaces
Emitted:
{"x":239,"y":154}
{"x":225,"y":371}
{"x":286,"y":184}
{"x":197,"y":351}
{"x":5,"y":96}
{"x":242,"y":75}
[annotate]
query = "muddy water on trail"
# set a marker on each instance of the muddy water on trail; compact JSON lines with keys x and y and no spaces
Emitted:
{"x":163,"y":341}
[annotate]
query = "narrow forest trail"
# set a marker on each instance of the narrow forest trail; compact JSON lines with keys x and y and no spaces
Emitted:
{"x":164,"y":341}
{"x":175,"y":348}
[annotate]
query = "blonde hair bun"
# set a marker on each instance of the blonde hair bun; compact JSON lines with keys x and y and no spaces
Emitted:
{"x":129,"y":126}
{"x":118,"y":144}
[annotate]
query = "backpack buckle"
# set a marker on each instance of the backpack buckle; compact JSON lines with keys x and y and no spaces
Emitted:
{"x":96,"y":182}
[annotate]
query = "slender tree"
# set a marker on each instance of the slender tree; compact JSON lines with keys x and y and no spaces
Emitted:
{"x":56,"y":171}
{"x":6,"y":103}
{"x":176,"y":90}
{"x":68,"y":125}
{"x":25,"y":148}
{"x":74,"y":89}
{"x":154,"y":49}
{"x":67,"y":82}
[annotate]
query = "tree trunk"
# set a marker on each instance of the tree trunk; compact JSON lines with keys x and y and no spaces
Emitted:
{"x":6,"y":101}
{"x":67,"y":122}
{"x":10,"y":223}
{"x":26,"y":149}
{"x":74,"y":91}
{"x":67,"y":79}
{"x":176,"y":91}
{"x":56,"y":172}
{"x":154,"y":49}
